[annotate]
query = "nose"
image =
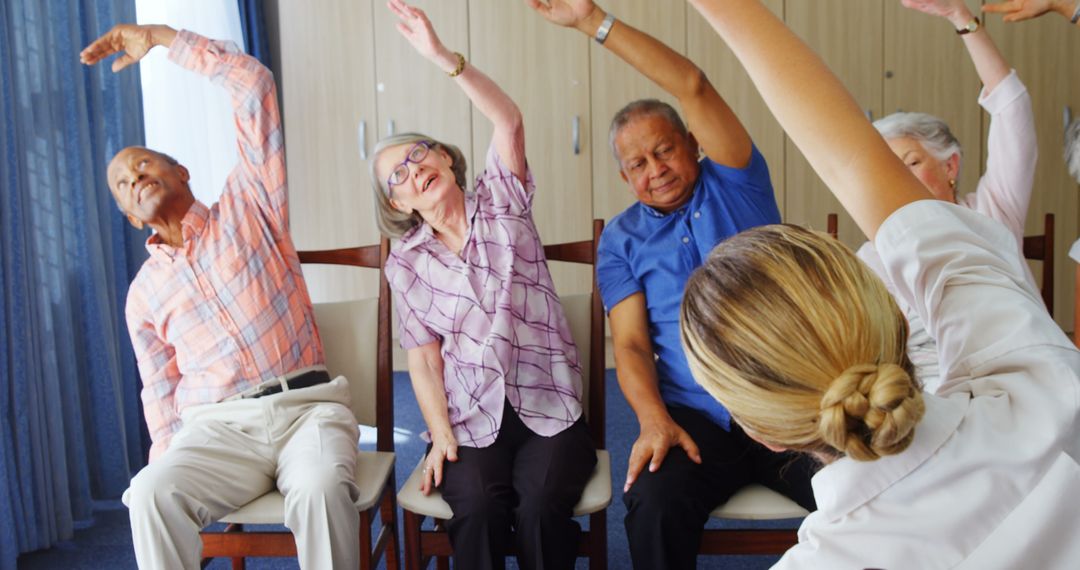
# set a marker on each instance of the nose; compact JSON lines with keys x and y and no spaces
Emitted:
{"x":656,"y":168}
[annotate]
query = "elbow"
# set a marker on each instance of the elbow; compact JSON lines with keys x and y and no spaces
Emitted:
{"x":696,"y":83}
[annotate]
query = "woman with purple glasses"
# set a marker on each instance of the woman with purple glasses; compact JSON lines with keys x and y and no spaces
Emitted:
{"x":492,"y":361}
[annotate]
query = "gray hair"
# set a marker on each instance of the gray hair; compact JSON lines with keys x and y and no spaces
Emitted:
{"x":643,"y":108}
{"x":1072,"y":149}
{"x":931,"y":132}
{"x":394,"y":223}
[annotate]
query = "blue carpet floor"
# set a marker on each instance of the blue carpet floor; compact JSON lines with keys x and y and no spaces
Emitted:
{"x":105,"y":541}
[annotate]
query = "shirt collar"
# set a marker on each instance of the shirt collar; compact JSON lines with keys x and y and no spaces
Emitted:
{"x":423,"y":233}
{"x":190,"y":226}
{"x":846,"y":484}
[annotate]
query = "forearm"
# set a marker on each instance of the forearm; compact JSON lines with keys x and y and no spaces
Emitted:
{"x":485,"y":94}
{"x":989,"y":63}
{"x":636,"y":372}
{"x":426,"y":374}
{"x":824,"y":121}
{"x":1066,"y":8}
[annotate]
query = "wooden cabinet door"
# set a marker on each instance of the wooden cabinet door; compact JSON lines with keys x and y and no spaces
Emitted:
{"x":847,"y":35}
{"x":725,"y":72}
{"x":615,"y":83}
{"x":545,"y":69}
{"x":413,"y":94}
{"x":326,"y":78}
{"x":928,"y":70}
{"x":1043,"y":52}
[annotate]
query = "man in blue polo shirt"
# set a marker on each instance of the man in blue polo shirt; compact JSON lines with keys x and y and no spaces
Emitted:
{"x":696,"y":456}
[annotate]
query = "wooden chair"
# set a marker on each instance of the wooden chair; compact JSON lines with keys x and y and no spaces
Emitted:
{"x":1041,"y":248}
{"x":832,"y":225}
{"x":346,"y":330}
{"x":586,"y":316}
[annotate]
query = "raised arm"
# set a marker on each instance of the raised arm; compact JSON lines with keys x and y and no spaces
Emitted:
{"x":989,"y":63}
{"x":714,"y":125}
{"x":509,"y":136}
{"x":1019,"y":10}
{"x":825,"y":122}
{"x":426,"y":372}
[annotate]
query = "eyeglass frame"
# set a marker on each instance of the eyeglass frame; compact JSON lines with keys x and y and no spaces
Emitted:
{"x":405,"y":163}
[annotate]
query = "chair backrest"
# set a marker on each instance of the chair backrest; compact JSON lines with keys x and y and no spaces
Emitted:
{"x":832,"y":224}
{"x":585,"y":314}
{"x":356,"y":334}
{"x":1041,"y":248}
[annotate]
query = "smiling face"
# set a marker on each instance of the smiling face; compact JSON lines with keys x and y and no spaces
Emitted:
{"x":658,"y":162}
{"x":148,"y":186}
{"x":428,"y":182}
{"x":938,"y":176}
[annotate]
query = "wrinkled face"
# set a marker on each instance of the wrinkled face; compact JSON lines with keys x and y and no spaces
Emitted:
{"x":933,"y":173}
{"x":658,"y":162}
{"x":426,"y":183}
{"x":144,"y":183}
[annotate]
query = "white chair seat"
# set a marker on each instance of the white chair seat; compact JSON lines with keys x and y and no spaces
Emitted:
{"x":595,"y":497}
{"x":372,"y":475}
{"x":757,"y":503}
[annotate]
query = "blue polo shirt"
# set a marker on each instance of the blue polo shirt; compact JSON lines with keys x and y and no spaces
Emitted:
{"x":645,"y":250}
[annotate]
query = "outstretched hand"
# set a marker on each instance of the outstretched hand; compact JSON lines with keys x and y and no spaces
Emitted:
{"x":1019,"y":10}
{"x":135,"y":41}
{"x":567,"y":13}
{"x":414,"y":25}
{"x":943,"y":8}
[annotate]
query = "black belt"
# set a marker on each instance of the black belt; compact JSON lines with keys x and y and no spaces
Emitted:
{"x":305,"y":380}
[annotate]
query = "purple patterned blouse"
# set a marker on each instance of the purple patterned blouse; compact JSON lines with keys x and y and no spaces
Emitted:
{"x":494,"y":311}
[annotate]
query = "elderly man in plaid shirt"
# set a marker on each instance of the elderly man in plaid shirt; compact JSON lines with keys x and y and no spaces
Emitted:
{"x":236,"y":396}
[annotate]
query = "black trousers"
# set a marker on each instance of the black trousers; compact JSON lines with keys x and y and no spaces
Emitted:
{"x":667,"y":510}
{"x":523,"y":481}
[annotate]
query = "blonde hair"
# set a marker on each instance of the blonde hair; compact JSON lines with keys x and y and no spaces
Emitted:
{"x":394,"y":223}
{"x":803,"y":344}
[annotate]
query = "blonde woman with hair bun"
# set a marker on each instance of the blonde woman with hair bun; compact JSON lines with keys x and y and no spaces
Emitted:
{"x":807,"y":350}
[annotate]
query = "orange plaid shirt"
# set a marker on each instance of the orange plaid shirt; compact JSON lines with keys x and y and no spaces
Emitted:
{"x":229,"y":308}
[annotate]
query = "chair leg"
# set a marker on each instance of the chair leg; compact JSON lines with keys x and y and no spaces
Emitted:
{"x":389,"y":522}
{"x":366,"y":561}
{"x":413,"y":556}
{"x":238,"y":562}
{"x":598,"y":555}
{"x":441,"y":562}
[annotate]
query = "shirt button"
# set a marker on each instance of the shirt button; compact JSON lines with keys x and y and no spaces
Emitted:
{"x":685,"y":239}
{"x":697,"y":215}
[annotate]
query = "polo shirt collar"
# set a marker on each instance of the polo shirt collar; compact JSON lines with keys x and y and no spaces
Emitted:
{"x":695,"y":202}
{"x":424,"y":233}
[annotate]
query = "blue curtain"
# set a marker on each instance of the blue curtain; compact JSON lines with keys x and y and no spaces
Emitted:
{"x":253,"y":24}
{"x":71,"y":427}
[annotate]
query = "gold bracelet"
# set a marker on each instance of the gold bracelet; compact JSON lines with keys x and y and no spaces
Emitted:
{"x":460,"y":65}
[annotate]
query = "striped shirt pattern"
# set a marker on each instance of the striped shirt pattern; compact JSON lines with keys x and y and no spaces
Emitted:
{"x":229,"y":308}
{"x":493,"y":309}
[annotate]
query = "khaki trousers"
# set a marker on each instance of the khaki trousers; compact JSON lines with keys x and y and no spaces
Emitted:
{"x":227,"y":454}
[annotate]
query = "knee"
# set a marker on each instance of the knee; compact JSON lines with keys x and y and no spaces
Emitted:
{"x":155,"y":490}
{"x":322,"y":483}
{"x":483,"y":509}
{"x":545,"y":507}
{"x":658,"y":498}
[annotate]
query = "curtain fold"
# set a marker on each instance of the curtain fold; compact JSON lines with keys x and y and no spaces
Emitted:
{"x":253,"y":23}
{"x":71,"y":427}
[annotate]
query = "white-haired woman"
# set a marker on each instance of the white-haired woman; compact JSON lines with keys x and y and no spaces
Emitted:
{"x":926,"y":145}
{"x":806,"y":349}
{"x":492,"y":361}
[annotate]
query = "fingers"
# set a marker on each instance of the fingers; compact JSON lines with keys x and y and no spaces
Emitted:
{"x":122,"y":62}
{"x":1000,"y":8}
{"x":451,"y":452}
{"x":539,"y":7}
{"x":687,"y":443}
{"x":639,"y":456}
{"x":100,"y":48}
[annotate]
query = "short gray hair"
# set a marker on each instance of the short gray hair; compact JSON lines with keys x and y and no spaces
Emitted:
{"x":394,"y":223}
{"x":643,"y":108}
{"x":1072,"y":149}
{"x":931,"y":132}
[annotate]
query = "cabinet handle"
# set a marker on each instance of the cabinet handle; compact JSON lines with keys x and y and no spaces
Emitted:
{"x":390,"y":128}
{"x":1067,"y":115}
{"x":576,"y":136}
{"x":870,"y":115}
{"x":361,"y":138}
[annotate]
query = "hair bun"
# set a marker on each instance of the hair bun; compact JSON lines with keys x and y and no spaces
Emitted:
{"x":871,"y":410}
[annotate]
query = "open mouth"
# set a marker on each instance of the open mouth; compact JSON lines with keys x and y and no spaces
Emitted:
{"x":144,"y":188}
{"x":429,"y":182}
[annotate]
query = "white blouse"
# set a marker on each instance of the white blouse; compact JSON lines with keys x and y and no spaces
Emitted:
{"x":991,"y":479}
